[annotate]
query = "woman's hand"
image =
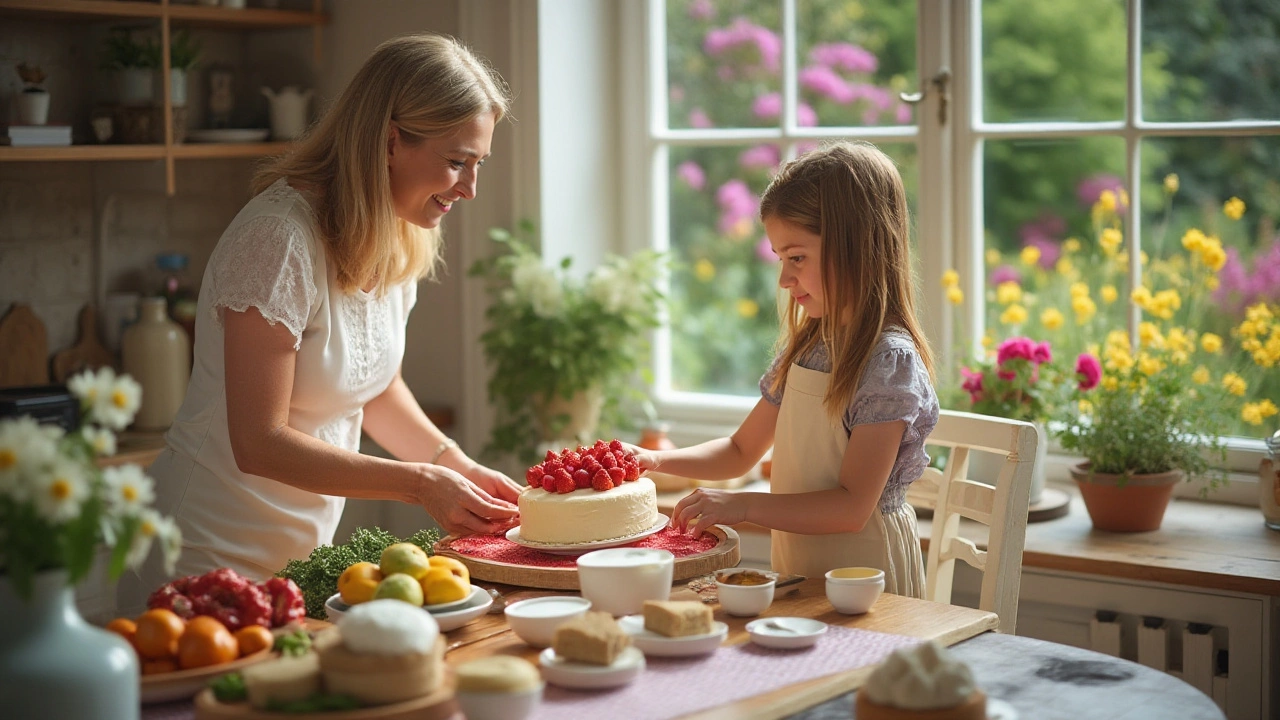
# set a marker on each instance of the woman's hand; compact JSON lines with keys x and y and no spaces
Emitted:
{"x":461,"y":506}
{"x":493,"y":482}
{"x":705,"y":507}
{"x":648,"y":459}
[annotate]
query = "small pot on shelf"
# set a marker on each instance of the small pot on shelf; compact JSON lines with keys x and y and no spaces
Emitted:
{"x":33,"y":107}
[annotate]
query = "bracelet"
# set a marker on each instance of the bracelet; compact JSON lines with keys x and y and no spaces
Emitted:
{"x":442,"y":448}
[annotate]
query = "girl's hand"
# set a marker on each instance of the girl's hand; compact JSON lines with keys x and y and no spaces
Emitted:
{"x":461,"y":506}
{"x":493,"y":482}
{"x":648,"y":459}
{"x":705,"y":507}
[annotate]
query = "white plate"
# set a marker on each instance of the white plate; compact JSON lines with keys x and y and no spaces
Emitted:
{"x":182,"y":684}
{"x":477,"y":604}
{"x":514,"y":536}
{"x":229,"y":135}
{"x":558,"y":671}
{"x":658,"y":645}
{"x":336,"y":608}
{"x":796,"y":632}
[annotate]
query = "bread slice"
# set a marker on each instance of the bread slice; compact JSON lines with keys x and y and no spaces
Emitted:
{"x":282,"y":680}
{"x":677,"y":618}
{"x":378,"y":679}
{"x":593,"y":637}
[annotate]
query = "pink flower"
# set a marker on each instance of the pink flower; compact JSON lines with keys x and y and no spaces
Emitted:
{"x":760,"y":156}
{"x":701,"y":10}
{"x":844,"y":56}
{"x":744,"y":33}
{"x":767,"y":106}
{"x":699,"y":119}
{"x":692,"y":174}
{"x":824,"y":81}
{"x":805,"y":115}
{"x":1013,"y":348}
{"x":1090,"y":189}
{"x":1004,"y":274}
{"x":1089,"y":370}
{"x":972,"y":383}
{"x":737,"y":203}
{"x":1041,"y":353}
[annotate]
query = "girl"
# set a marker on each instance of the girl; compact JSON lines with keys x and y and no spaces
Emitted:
{"x":848,"y":401}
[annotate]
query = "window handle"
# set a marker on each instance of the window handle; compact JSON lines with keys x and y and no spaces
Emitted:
{"x":941,"y":83}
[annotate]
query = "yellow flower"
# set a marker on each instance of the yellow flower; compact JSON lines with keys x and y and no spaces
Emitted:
{"x":1210,"y":342}
{"x":1051,"y":318}
{"x":992,"y":257}
{"x":1255,"y":413}
{"x":748,"y":308}
{"x":1213,"y":256}
{"x":1065,"y":267}
{"x":1110,"y":383}
{"x":1149,"y":335}
{"x":1008,"y":292}
{"x":1085,"y":407}
{"x":1079,"y":288}
{"x":1171,"y":183}
{"x":1234,"y":384}
{"x":1118,"y":359}
{"x":1211,"y":283}
{"x":1201,"y":376}
{"x":1118,"y":339}
{"x":1180,"y":340}
{"x":950,"y":279}
{"x":1148,"y":365}
{"x":1084,"y":308}
{"x":955,"y":295}
{"x":1108,"y":294}
{"x":1014,"y":315}
{"x":1107,"y":200}
{"x":988,"y":340}
{"x":1259,"y":313}
{"x":704,"y":270}
{"x":1233,"y":208}
{"x":1193,"y":240}
{"x":1124,"y":197}
{"x":1071,"y":245}
{"x":1110,"y":240}
{"x":1030,"y":255}
{"x":1141,"y":297}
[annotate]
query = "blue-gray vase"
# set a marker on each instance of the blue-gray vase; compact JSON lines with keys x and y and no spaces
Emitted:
{"x":53,"y":664}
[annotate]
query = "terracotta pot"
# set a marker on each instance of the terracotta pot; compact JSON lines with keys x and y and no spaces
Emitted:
{"x":1119,"y":504}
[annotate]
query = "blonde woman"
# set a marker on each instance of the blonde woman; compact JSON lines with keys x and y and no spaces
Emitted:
{"x":301,"y":327}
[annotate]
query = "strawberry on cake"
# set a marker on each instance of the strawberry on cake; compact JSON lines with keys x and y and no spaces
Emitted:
{"x":586,"y":495}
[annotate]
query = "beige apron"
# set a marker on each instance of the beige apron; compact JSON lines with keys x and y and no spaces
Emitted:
{"x":807,"y":453}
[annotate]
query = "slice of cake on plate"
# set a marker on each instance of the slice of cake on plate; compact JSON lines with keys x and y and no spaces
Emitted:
{"x":677,"y":618}
{"x":593,"y":637}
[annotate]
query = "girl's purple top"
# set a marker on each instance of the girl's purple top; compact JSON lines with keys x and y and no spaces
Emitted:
{"x":895,"y":386}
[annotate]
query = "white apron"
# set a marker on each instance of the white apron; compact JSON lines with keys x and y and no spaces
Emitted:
{"x":807,"y":453}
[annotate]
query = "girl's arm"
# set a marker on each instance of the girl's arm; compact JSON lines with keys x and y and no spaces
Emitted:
{"x":864,"y":470}
{"x":722,"y":458}
{"x":396,"y":421}
{"x":259,"y":359}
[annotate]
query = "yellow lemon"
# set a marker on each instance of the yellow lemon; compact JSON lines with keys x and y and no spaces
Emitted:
{"x":441,"y":586}
{"x":404,"y":558}
{"x":357,"y":583}
{"x":455,"y":566}
{"x":399,"y":586}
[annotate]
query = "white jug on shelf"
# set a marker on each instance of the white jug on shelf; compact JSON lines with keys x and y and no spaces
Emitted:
{"x":288,"y":111}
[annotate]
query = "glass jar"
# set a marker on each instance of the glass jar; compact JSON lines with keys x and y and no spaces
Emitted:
{"x":1269,"y":483}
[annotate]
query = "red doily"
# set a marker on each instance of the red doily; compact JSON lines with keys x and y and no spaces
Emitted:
{"x":500,"y":549}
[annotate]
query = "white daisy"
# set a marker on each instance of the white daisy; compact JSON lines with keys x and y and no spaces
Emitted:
{"x":25,"y":447}
{"x":59,"y":489}
{"x":87,"y":386}
{"x":129,"y":490}
{"x":102,"y":440}
{"x":153,"y":526}
{"x":117,"y":402}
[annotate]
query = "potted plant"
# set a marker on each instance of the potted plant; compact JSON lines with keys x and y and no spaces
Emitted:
{"x":184,"y":53}
{"x":57,"y":509}
{"x":33,"y":101}
{"x":134,"y":63}
{"x":564,"y":351}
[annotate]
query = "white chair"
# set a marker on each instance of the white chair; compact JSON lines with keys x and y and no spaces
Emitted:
{"x":1003,"y":508}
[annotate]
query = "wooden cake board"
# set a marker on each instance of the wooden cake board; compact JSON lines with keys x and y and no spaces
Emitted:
{"x":725,"y":554}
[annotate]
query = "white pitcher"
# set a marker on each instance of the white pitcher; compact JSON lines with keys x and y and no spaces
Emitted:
{"x":288,"y":111}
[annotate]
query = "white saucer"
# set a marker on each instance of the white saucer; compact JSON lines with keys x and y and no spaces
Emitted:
{"x":477,"y":604}
{"x":564,"y":673}
{"x":658,"y":645}
{"x":335,"y":608}
{"x":577,"y":549}
{"x":802,"y":632}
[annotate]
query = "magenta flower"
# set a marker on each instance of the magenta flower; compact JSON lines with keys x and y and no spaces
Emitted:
{"x":701,"y":10}
{"x":737,"y":203}
{"x":972,"y":383}
{"x":844,"y":56}
{"x":743,"y":33}
{"x":760,"y":156}
{"x":1089,"y":189}
{"x":1004,"y":274}
{"x":692,"y":174}
{"x":824,"y":81}
{"x":767,"y":106}
{"x":699,"y":119}
{"x":1040,"y":353}
{"x":1016,"y":347}
{"x":805,"y":115}
{"x":1089,"y":370}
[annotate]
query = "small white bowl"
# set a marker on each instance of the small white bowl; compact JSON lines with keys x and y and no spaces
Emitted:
{"x":535,"y":621}
{"x":619,"y":580}
{"x":565,"y":673}
{"x":786,"y":632}
{"x":744,"y":600}
{"x":499,"y":705}
{"x":853,"y":590}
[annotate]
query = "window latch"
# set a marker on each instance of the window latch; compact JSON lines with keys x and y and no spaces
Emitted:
{"x":941,"y":83}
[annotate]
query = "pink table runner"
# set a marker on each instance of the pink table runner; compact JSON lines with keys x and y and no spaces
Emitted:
{"x":671,"y":687}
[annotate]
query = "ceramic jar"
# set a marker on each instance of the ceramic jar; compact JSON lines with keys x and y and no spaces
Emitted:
{"x":1269,"y":483}
{"x":156,"y":352}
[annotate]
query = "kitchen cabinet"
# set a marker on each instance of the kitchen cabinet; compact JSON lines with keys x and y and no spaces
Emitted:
{"x":169,"y":16}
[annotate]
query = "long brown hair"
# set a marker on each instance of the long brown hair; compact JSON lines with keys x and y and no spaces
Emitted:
{"x":851,"y":196}
{"x":427,"y":85}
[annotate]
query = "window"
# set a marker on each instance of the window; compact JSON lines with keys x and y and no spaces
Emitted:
{"x":1062,"y":119}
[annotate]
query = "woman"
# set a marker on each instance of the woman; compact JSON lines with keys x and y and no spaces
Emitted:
{"x":301,"y":327}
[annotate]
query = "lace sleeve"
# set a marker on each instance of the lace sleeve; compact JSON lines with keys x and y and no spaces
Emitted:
{"x":265,"y":264}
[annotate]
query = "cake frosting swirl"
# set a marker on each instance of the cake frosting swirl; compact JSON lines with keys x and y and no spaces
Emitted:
{"x":922,"y":677}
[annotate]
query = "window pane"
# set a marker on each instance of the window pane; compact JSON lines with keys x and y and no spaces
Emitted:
{"x":1202,"y":63}
{"x":724,"y":63}
{"x":854,"y":59}
{"x":1041,"y":238}
{"x":1050,"y":60}
{"x":1240,"y":239}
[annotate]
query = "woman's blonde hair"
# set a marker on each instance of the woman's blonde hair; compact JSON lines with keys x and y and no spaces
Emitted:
{"x":427,"y":85}
{"x":851,"y":196}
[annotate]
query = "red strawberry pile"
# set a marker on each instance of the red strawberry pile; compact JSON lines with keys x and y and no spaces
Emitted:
{"x":232,"y":599}
{"x":601,"y":467}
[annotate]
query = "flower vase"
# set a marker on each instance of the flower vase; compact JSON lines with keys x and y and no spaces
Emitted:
{"x":564,"y":421}
{"x":155,"y":351}
{"x":1125,"y":504}
{"x":53,"y":664}
{"x":985,"y":467}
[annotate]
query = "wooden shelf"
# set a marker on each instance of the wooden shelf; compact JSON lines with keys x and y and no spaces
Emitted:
{"x":81,"y":152}
{"x":202,"y":151}
{"x":180,"y":15}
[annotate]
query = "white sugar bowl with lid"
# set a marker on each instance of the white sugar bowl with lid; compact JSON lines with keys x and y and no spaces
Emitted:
{"x":619,"y":580}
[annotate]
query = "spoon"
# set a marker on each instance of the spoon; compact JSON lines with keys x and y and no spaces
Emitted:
{"x":775,"y":625}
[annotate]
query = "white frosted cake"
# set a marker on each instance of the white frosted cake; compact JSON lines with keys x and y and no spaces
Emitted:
{"x":587,"y":515}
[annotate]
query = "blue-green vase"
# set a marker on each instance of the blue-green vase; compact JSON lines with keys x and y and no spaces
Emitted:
{"x":53,"y":664}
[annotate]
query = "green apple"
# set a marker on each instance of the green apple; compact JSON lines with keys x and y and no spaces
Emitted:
{"x":399,"y":586}
{"x":404,"y":558}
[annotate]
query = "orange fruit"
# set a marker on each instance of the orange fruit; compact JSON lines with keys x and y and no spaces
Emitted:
{"x":124,"y":627}
{"x":253,"y":638}
{"x":358,"y":582}
{"x":157,"y":635}
{"x":206,"y":642}
{"x":152,"y":667}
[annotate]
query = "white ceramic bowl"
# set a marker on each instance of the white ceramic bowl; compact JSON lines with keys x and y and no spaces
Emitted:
{"x":619,"y":580}
{"x":853,"y":590}
{"x":743,"y":600}
{"x":785,"y":632}
{"x":499,"y":705}
{"x":535,"y":621}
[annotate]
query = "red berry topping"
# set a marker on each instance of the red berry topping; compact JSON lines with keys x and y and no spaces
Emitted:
{"x":533,"y":476}
{"x":632,"y":471}
{"x":552,"y":466}
{"x":582,"y":479}
{"x":608,"y":461}
{"x":601,"y":481}
{"x":551,"y":455}
{"x":564,"y":484}
{"x":615,"y":445}
{"x":548,"y":483}
{"x":617,"y":475}
{"x":572,"y":458}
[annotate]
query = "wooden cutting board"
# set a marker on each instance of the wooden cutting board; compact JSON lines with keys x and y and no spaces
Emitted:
{"x":24,"y":348}
{"x":87,"y":354}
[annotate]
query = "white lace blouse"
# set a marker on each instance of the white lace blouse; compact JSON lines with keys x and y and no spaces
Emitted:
{"x":349,"y":347}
